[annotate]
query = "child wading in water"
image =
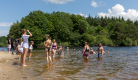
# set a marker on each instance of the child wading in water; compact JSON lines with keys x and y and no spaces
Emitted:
{"x":100,"y":50}
{"x":91,"y":51}
{"x":86,"y":50}
{"x":20,"y":49}
{"x":30,"y":49}
{"x":60,"y":51}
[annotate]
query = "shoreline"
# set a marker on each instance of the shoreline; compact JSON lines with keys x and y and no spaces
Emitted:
{"x":10,"y":68}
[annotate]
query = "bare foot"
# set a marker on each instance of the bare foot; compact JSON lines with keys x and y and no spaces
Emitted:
{"x":24,"y":65}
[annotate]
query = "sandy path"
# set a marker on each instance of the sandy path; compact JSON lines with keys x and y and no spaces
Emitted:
{"x":10,"y":68}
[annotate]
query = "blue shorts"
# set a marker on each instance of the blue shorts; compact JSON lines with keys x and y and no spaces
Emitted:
{"x":29,"y":51}
{"x":99,"y":55}
{"x":59,"y":53}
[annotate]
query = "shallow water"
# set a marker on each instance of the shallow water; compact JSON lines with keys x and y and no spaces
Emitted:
{"x":121,"y":63}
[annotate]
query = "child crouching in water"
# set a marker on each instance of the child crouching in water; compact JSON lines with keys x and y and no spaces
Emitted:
{"x":60,"y":51}
{"x":30,"y":49}
{"x":19,"y":49}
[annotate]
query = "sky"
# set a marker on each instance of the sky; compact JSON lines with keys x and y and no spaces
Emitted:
{"x":13,"y":10}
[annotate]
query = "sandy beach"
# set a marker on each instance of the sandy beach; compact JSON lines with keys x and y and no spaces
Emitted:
{"x":10,"y":68}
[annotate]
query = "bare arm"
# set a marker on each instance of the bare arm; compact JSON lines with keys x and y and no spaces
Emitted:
{"x":13,"y":43}
{"x":30,"y":35}
{"x":56,"y":46}
{"x":51,"y":45}
{"x":102,"y":50}
{"x":17,"y":48}
{"x":84,"y":49}
{"x":45,"y":44}
{"x":10,"y":41}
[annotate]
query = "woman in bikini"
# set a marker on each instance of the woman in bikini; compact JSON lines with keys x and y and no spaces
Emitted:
{"x":47,"y":45}
{"x":54,"y":47}
{"x":86,"y":50}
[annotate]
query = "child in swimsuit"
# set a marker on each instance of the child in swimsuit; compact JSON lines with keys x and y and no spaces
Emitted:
{"x":54,"y":47}
{"x":60,"y":50}
{"x":92,"y":52}
{"x":30,"y":49}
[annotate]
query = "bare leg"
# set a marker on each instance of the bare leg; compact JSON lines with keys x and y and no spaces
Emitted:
{"x":24,"y":56}
{"x":49,"y":55}
{"x":8,"y":49}
{"x":29,"y":57}
{"x":46,"y":52}
{"x":19,"y":55}
{"x":54,"y":52}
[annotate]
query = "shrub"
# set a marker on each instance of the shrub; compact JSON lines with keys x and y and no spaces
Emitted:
{"x":128,"y":42}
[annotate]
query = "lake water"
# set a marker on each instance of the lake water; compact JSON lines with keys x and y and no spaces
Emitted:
{"x":121,"y":63}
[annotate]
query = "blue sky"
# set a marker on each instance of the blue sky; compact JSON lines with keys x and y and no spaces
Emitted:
{"x":13,"y":10}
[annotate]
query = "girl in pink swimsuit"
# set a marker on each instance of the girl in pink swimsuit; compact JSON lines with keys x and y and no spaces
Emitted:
{"x":54,"y":47}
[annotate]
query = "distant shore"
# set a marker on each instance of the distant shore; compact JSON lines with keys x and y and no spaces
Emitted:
{"x":10,"y":68}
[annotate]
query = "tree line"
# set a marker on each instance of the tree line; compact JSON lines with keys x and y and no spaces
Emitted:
{"x":74,"y":30}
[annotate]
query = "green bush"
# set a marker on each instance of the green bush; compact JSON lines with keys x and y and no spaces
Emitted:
{"x":128,"y":42}
{"x":2,"y":45}
{"x":103,"y":40}
{"x":134,"y":43}
{"x":65,"y":44}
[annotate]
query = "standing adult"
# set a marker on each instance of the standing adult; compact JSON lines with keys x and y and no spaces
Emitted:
{"x":54,"y":47}
{"x":9,"y":44}
{"x":86,"y":50}
{"x":47,"y":45}
{"x":100,"y":50}
{"x":25,"y":45}
{"x":15,"y":44}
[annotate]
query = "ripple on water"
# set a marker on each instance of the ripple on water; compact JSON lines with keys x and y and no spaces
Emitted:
{"x":119,"y":64}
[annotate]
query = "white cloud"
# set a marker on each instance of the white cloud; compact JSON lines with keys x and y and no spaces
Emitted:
{"x":95,"y":4}
{"x":5,"y":24}
{"x":58,"y":1}
{"x":81,"y":14}
{"x":4,"y":33}
{"x":119,"y":10}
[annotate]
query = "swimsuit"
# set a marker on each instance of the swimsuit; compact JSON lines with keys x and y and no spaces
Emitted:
{"x":99,"y":55}
{"x":48,"y":48}
{"x":99,"y":52}
{"x":54,"y":47}
{"x":86,"y":53}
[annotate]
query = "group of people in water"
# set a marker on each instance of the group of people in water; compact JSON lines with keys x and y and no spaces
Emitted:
{"x":22,"y":47}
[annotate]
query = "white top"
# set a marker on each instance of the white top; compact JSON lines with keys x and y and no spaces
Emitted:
{"x":21,"y":47}
{"x":25,"y":38}
{"x":25,"y":41}
{"x":30,"y":47}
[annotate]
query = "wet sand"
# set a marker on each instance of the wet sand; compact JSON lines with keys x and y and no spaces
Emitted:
{"x":10,"y":68}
